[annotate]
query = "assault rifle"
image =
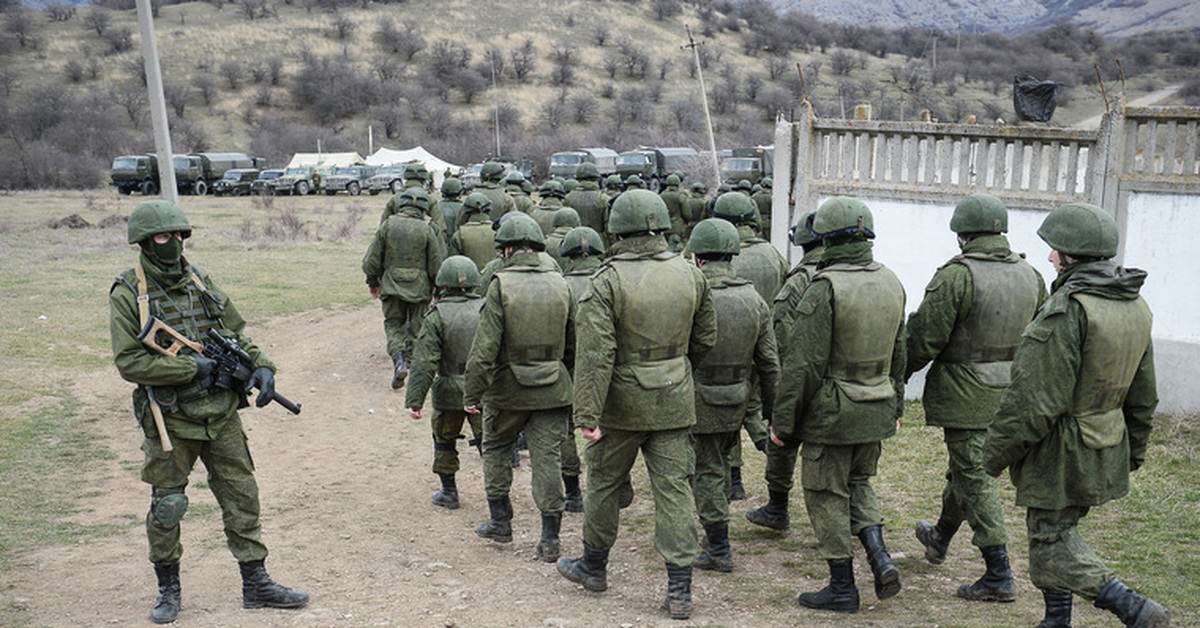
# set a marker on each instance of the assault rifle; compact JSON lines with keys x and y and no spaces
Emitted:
{"x":233,"y":363}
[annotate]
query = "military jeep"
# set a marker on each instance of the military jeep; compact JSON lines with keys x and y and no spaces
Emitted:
{"x":298,"y":180}
{"x":236,"y":182}
{"x":350,"y":179}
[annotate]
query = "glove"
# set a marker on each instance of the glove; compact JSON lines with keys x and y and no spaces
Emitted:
{"x":264,"y":380}
{"x":204,"y":367}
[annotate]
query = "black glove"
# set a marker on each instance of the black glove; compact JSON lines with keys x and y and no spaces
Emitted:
{"x":264,"y":380}
{"x":204,"y":367}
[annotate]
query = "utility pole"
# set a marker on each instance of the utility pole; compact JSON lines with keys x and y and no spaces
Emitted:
{"x":712,"y":142}
{"x":158,"y":105}
{"x":495,"y":101}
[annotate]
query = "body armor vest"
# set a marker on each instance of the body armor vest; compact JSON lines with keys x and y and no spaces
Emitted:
{"x":758,"y":261}
{"x":477,"y":240}
{"x":536,"y":303}
{"x":1118,"y":333}
{"x":868,"y":307}
{"x":723,"y":379}
{"x":460,"y":317}
{"x":407,"y":237}
{"x":502,"y":203}
{"x":1002,"y":304}
{"x":653,"y":316}
{"x":450,"y":211}
{"x":579,"y":281}
{"x":590,"y":207}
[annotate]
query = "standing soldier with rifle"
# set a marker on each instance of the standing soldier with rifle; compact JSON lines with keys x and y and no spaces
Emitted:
{"x":184,"y":411}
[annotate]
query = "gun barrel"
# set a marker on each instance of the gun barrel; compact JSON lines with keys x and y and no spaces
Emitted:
{"x":294,"y":408}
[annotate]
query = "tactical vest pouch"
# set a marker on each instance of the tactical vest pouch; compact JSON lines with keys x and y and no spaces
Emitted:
{"x":536,"y":374}
{"x":1103,"y":429}
{"x":992,"y":374}
{"x":404,"y":275}
{"x":724,"y":395}
{"x":865,"y":392}
{"x":660,"y":374}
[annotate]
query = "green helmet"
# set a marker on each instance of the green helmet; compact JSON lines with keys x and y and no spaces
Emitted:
{"x":724,"y":187}
{"x":517,"y":228}
{"x":413,"y":197}
{"x":638,"y":211}
{"x":1078,"y":230}
{"x":452,"y":187}
{"x":714,"y":236}
{"x":681,"y":175}
{"x":570,"y":184}
{"x":527,"y":186}
{"x":672,"y":180}
{"x":491,"y":171}
{"x":477,"y":202}
{"x":801,"y":232}
{"x":633,"y":182}
{"x":614,"y":182}
{"x":842,"y":216}
{"x":457,"y":271}
{"x":698,"y":187}
{"x":551,"y":188}
{"x":767,"y":182}
{"x":581,"y":242}
{"x":734,"y":207}
{"x":744,"y":185}
{"x":587,"y":171}
{"x":566,"y":217}
{"x":154,"y":217}
{"x":979,"y":213}
{"x":514,"y":178}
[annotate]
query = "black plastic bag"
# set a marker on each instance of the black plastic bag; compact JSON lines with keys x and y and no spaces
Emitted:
{"x":1034,"y":100}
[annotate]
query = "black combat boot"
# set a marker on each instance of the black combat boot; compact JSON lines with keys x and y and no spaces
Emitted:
{"x":625,"y":495}
{"x":1131,"y":607}
{"x":716,"y":554}
{"x":166,"y":607}
{"x":996,"y":585}
{"x":936,"y":539}
{"x":887,"y":576}
{"x":679,"y":592}
{"x":1058,"y":610}
{"x":399,"y":370}
{"x":447,"y":497}
{"x":590,"y":570}
{"x":499,"y":527}
{"x":258,"y":590}
{"x":840,"y":595}
{"x":737,"y":491}
{"x":774,"y":514}
{"x":572,"y":494}
{"x":547,"y":548}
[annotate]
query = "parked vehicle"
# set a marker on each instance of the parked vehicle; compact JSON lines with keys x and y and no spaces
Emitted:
{"x":564,"y":163}
{"x":654,"y":164}
{"x":195,"y":173}
{"x":262,"y":185}
{"x":297,"y":180}
{"x":748,"y":163}
{"x":236,"y":182}
{"x":387,"y":179}
{"x":135,"y":172}
{"x":350,"y":179}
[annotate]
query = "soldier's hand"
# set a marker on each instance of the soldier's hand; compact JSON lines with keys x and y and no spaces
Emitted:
{"x":414,"y":414}
{"x":775,"y":439}
{"x":204,"y":366}
{"x":264,"y":380}
{"x":471,"y":409}
{"x":374,"y":292}
{"x":591,"y":434}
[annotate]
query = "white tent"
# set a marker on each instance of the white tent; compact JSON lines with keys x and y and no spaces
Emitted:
{"x":437,"y":167}
{"x":325,"y":161}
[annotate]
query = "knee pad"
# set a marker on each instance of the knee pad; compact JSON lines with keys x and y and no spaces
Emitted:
{"x":450,"y":446}
{"x":168,"y":509}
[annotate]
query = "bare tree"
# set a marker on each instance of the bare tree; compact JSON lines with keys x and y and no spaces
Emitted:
{"x":601,"y":33}
{"x":232,"y":71}
{"x":18,"y":23}
{"x":583,"y":108}
{"x":275,"y":70}
{"x":553,"y":114}
{"x":664,"y":9}
{"x":97,"y":19}
{"x":74,"y":70}
{"x":119,"y":40}
{"x":132,"y":98}
{"x":384,"y":67}
{"x":524,"y":59}
{"x":206,"y":86}
{"x":447,"y":56}
{"x":177,"y":96}
{"x":60,"y":12}
{"x":253,"y":8}
{"x":343,"y":27}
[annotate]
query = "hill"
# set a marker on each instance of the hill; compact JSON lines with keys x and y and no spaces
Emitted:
{"x":467,"y":78}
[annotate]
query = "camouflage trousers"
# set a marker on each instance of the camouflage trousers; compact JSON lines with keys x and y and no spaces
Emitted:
{"x":753,"y":422}
{"x":838,"y":494}
{"x":713,"y":455}
{"x":230,"y":478}
{"x":781,"y":467}
{"x":1060,"y":561}
{"x":544,"y":432}
{"x":402,"y":322}
{"x":571,"y":465}
{"x":970,"y":494}
{"x":447,"y":429}
{"x":670,"y":463}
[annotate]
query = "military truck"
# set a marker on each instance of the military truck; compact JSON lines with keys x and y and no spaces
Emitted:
{"x":564,"y":163}
{"x":654,"y":164}
{"x":195,"y":173}
{"x":748,"y":163}
{"x":297,"y":180}
{"x":387,"y":179}
{"x":351,"y":179}
{"x":135,"y":172}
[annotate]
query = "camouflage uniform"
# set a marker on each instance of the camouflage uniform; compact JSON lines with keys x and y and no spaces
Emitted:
{"x":591,"y":203}
{"x":502,"y":202}
{"x":675,"y":200}
{"x":473,"y":239}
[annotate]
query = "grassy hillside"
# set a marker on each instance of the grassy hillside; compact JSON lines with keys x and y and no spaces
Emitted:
{"x":632,"y":80}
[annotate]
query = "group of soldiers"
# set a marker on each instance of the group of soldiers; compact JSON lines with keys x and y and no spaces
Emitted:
{"x":657,"y":326}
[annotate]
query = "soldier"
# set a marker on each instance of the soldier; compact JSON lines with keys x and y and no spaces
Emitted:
{"x":514,"y":185}
{"x":762,"y":199}
{"x":451,"y":205}
{"x":745,"y":344}
{"x":401,"y":266}
{"x":613,"y":186}
{"x":200,"y":418}
{"x":843,"y":396}
{"x":550,"y":200}
{"x":565,"y":219}
{"x":635,"y":182}
{"x":696,"y":208}
{"x":587,"y":199}
{"x":490,"y":175}
{"x":646,"y":319}
{"x":781,"y":460}
{"x":1077,"y":416}
{"x":766,"y":268}
{"x":440,"y":362}
{"x":969,"y":325}
{"x":517,"y":370}
{"x":417,"y":177}
{"x":474,"y":237}
{"x":675,"y":202}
